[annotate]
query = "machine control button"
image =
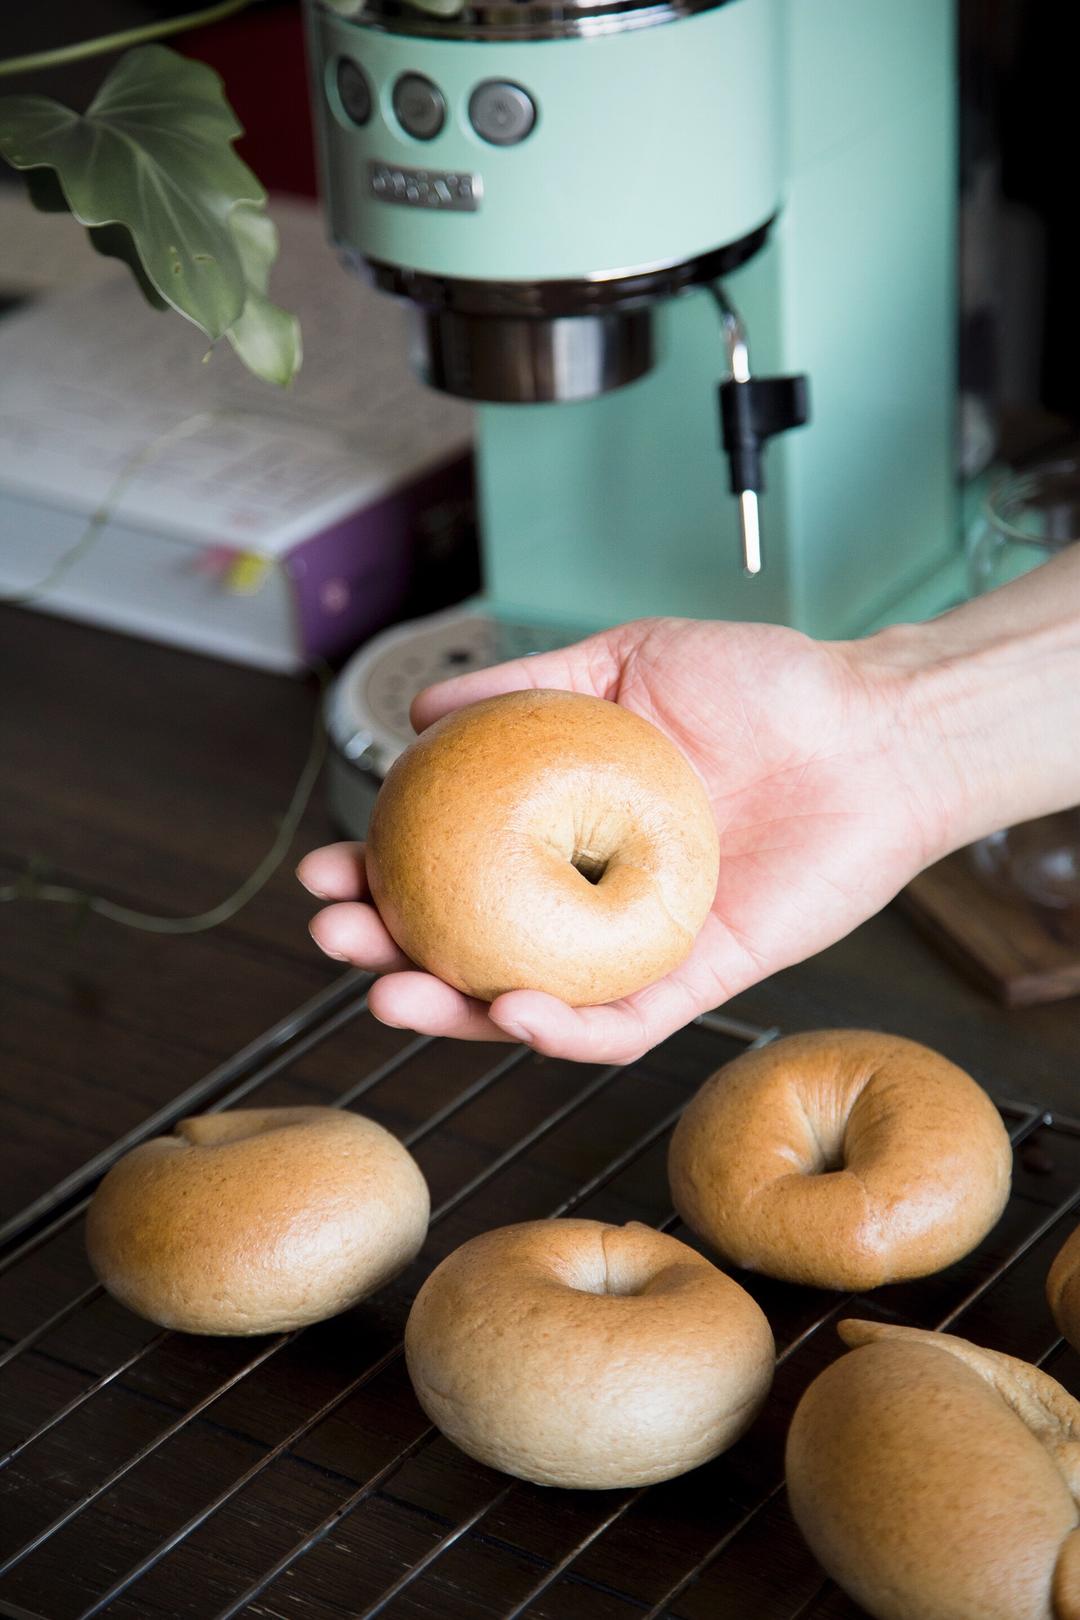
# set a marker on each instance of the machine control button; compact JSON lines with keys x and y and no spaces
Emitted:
{"x":419,"y":106}
{"x":354,"y":90}
{"x":501,"y":113}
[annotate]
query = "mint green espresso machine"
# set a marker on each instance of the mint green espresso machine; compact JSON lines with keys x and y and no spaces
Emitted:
{"x":695,"y":262}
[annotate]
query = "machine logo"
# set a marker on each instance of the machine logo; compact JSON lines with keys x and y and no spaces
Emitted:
{"x":426,"y":188}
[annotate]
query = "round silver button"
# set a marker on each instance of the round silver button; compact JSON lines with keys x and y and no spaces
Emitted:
{"x":501,"y":113}
{"x":354,"y":90}
{"x":419,"y":106}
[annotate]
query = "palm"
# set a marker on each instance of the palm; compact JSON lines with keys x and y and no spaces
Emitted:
{"x":817,"y":830}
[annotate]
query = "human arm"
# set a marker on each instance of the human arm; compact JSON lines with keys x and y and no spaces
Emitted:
{"x":836,"y":772}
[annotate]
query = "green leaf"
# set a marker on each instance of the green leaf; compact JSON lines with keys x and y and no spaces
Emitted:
{"x":150,"y":169}
{"x":266,"y":338}
{"x":45,"y":192}
{"x":114,"y":242}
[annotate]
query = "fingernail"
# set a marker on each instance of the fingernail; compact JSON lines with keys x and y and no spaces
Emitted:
{"x":320,"y":894}
{"x":338,"y":956}
{"x":518,"y":1032}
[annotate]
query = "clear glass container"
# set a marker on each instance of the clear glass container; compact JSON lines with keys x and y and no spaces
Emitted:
{"x":1025,"y":520}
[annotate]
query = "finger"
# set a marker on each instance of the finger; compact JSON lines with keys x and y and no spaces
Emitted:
{"x":590,"y":666}
{"x":356,"y":933}
{"x":421,"y":1002}
{"x":619,"y":1032}
{"x":622,"y":1031}
{"x":614,"y":1033}
{"x":335,"y":872}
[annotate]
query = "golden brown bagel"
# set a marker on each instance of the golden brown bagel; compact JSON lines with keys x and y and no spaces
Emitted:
{"x":1063,"y":1288}
{"x":543,"y":841}
{"x":935,"y":1480}
{"x":842,"y":1159}
{"x":258,"y":1220}
{"x":575,"y":1353}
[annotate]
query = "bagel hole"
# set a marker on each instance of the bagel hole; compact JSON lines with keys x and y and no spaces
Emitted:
{"x":591,"y":867}
{"x":605,"y":1286}
{"x":825,"y":1146}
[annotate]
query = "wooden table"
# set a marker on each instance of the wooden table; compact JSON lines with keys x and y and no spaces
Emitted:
{"x":154,"y":777}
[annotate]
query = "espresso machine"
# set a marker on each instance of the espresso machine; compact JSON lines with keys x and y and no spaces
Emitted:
{"x":694,"y":260}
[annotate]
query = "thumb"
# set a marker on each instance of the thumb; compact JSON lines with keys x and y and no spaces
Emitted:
{"x":591,"y":666}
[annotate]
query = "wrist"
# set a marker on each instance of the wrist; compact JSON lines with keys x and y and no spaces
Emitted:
{"x":917,"y":701}
{"x":983,"y":706}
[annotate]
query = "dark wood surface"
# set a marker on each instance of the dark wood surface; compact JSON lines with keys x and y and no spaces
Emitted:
{"x":154,"y":777}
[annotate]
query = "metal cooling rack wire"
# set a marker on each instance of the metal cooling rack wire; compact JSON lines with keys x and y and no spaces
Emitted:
{"x":313,"y":1021}
{"x":298,"y":1034}
{"x":489,"y":1078}
{"x":587,"y":1190}
{"x":550,"y":1123}
{"x":12,"y":1611}
{"x":1030,"y":1122}
{"x":88,"y":1296}
{"x":716,"y":1023}
{"x":603,"y":1178}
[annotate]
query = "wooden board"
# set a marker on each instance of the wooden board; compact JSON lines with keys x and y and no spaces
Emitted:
{"x":1023,"y":953}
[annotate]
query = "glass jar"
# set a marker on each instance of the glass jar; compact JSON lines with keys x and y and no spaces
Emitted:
{"x":1025,"y":520}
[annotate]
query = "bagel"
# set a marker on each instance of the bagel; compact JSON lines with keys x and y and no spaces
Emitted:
{"x":1063,"y":1289}
{"x":841,"y":1159}
{"x":934,"y":1480}
{"x":256,"y":1221}
{"x":575,"y":1353}
{"x":543,"y":841}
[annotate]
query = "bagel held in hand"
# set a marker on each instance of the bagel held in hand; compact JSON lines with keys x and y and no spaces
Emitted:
{"x":543,"y":841}
{"x":575,"y":1353}
{"x":257,"y":1221}
{"x":841,"y":1159}
{"x":935,"y":1480}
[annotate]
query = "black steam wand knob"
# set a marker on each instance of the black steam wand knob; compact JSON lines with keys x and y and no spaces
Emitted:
{"x":752,"y":410}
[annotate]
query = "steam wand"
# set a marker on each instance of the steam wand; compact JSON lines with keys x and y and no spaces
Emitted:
{"x":752,"y":409}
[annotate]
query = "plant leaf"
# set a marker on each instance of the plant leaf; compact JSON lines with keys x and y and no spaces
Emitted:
{"x":150,"y":168}
{"x":266,"y":338}
{"x":114,"y":242}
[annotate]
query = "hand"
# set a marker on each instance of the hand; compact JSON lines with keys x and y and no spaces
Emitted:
{"x":825,"y":802}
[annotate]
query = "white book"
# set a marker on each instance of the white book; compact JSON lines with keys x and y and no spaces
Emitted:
{"x":238,"y":512}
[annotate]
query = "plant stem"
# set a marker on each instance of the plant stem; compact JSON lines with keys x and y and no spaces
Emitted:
{"x":119,"y":42}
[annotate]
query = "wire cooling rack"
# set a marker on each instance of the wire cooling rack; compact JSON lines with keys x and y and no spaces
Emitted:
{"x":154,"y":1474}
